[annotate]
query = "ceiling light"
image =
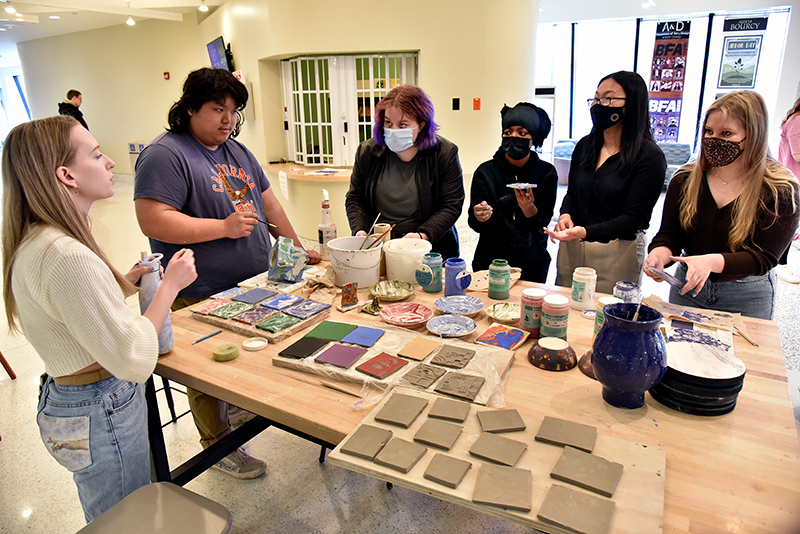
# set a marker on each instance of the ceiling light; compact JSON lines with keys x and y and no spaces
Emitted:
{"x":54,"y":17}
{"x":130,"y":21}
{"x":203,"y":7}
{"x":10,"y":9}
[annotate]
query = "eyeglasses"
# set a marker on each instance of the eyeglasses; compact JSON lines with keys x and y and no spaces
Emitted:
{"x":603,"y":101}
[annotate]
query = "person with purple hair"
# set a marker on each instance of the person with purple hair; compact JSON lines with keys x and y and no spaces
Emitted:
{"x":408,"y":174}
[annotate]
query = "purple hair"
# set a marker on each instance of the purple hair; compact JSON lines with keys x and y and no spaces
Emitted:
{"x":413,"y":102}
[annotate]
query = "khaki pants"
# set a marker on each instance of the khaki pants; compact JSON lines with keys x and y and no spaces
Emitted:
{"x":618,"y":260}
{"x":210,"y":414}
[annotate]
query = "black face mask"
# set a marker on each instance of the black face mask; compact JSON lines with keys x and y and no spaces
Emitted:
{"x":604,"y":117}
{"x":517,"y":148}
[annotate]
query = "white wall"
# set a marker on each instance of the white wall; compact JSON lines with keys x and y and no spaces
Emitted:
{"x":119,"y":70}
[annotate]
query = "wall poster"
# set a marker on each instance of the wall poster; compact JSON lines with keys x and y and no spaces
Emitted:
{"x":740,"y":53}
{"x":666,"y":79}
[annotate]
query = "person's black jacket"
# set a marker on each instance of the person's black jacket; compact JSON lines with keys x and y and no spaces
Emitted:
{"x":440,"y":183}
{"x":70,"y":110}
{"x":508,"y":234}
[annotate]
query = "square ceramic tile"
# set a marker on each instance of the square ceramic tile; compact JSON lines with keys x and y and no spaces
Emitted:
{"x":281,"y":300}
{"x":306,"y":308}
{"x":460,"y":385}
{"x":229,"y":293}
{"x":400,"y":454}
{"x":340,"y":355}
{"x":367,"y":441}
{"x":576,"y":510}
{"x":447,"y":470}
{"x":364,"y":336}
{"x":230,"y":310}
{"x":587,"y":471}
{"x":303,"y":347}
{"x":561,"y":432}
{"x":254,"y":315}
{"x":423,"y":375}
{"x":254,"y":296}
{"x":497,"y":421}
{"x":207,"y":307}
{"x":381,"y":365}
{"x":331,"y":330}
{"x":438,"y":433}
{"x":450,"y":409}
{"x":419,"y":349}
{"x":277,"y":322}
{"x":498,"y":449}
{"x":506,"y":487}
{"x":401,"y":410}
{"x":452,"y":356}
{"x":505,"y":337}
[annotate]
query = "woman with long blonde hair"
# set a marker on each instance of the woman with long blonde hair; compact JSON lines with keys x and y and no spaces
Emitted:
{"x":69,"y":301}
{"x":728,"y":215}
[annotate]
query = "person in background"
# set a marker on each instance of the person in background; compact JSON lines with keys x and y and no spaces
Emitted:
{"x":408,"y":174}
{"x":615,"y":179}
{"x":789,"y":155}
{"x":515,"y":233}
{"x":729,"y":214}
{"x":197,"y":186}
{"x":70,"y":106}
{"x":62,"y":292}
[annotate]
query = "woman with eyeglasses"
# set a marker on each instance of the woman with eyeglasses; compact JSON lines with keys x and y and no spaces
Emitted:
{"x":408,"y":174}
{"x":615,"y":179}
{"x":510,"y":221}
{"x":729,"y":214}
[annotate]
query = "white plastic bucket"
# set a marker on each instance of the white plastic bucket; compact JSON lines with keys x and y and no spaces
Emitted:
{"x":353,"y":265}
{"x":403,"y":256}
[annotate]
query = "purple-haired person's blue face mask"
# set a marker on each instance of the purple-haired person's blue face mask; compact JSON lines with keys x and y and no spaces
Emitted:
{"x":400,"y":139}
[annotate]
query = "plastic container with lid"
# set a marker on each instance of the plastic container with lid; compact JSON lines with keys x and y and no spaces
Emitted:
{"x":530,"y":304}
{"x":499,"y":279}
{"x":600,"y":317}
{"x":555,"y":316}
{"x":584,"y":280}
{"x":429,"y":274}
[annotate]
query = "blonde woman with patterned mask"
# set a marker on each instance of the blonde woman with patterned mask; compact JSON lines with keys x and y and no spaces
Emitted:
{"x":729,"y":214}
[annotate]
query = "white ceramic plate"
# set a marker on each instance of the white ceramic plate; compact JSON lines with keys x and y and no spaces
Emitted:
{"x":406,"y":314}
{"x":459,"y":305}
{"x":504,"y":312}
{"x":390,"y":290}
{"x":521,"y":185}
{"x":451,"y":326}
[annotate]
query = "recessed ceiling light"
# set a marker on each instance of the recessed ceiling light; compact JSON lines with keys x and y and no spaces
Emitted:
{"x":54,"y":17}
{"x":130,"y":21}
{"x":10,"y":9}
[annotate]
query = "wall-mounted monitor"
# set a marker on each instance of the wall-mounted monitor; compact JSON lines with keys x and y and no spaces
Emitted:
{"x":221,"y":57}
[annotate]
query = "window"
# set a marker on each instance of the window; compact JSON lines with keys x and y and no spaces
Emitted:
{"x":330,"y":101}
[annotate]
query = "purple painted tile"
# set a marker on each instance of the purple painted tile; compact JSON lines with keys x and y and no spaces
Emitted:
{"x":254,"y":295}
{"x":340,"y":355}
{"x":306,"y":308}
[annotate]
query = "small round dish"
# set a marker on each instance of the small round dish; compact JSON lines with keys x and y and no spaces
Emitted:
{"x":254,"y":343}
{"x":459,"y":305}
{"x":451,"y":326}
{"x":406,"y":314}
{"x":391,"y":290}
{"x":552,"y":354}
{"x":504,"y":312}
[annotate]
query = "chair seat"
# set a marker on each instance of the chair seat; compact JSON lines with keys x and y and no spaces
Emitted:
{"x":165,"y":508}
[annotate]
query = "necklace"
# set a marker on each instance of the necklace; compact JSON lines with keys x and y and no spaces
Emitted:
{"x":721,"y":180}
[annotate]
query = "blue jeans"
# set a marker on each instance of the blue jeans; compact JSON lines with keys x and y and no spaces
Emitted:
{"x":753,"y":296}
{"x":98,"y":432}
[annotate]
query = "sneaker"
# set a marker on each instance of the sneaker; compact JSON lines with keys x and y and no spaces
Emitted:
{"x":239,"y":464}
{"x":786,"y":274}
{"x":238,"y":416}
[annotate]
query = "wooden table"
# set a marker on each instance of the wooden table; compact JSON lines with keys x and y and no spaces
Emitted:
{"x":734,"y":473}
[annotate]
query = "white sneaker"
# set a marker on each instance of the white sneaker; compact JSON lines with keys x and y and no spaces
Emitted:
{"x":239,"y":464}
{"x":786,"y":274}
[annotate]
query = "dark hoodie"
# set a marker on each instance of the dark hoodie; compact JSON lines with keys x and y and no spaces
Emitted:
{"x":508,"y":234}
{"x":69,"y":109}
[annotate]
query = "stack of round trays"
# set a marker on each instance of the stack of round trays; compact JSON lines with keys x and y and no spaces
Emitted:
{"x":701,"y":379}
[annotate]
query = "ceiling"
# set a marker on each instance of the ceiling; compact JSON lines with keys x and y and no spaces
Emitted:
{"x":35,"y":22}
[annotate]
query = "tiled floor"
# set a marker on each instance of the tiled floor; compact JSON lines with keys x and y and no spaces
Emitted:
{"x":297,"y":494}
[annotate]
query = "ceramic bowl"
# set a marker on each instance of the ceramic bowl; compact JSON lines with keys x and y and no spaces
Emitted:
{"x":552,"y":354}
{"x":391,"y":290}
{"x":459,"y":305}
{"x":451,"y":326}
{"x":504,"y":312}
{"x":406,"y":314}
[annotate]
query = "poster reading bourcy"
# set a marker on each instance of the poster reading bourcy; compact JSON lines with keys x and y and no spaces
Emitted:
{"x":667,"y":77}
{"x":740,"y":51}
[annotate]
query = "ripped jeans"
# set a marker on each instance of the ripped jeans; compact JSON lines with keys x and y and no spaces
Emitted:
{"x":98,"y":432}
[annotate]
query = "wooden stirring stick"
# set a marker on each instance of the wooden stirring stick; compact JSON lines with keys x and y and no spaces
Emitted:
{"x":370,"y":229}
{"x":636,"y":315}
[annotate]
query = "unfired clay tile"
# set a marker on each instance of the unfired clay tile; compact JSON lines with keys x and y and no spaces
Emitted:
{"x":498,"y":449}
{"x":561,"y":432}
{"x":497,"y":421}
{"x":507,"y":487}
{"x":450,"y":409}
{"x":401,"y":410}
{"x":447,"y":470}
{"x":577,"y":511}
{"x":587,"y":471}
{"x":438,"y":433}
{"x":400,"y":454}
{"x":367,"y":441}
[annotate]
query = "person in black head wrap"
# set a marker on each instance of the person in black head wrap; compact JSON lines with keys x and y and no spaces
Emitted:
{"x":511,"y":221}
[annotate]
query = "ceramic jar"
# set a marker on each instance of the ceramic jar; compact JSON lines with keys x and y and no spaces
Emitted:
{"x":429,"y":274}
{"x":456,"y":278}
{"x":555,"y":316}
{"x":499,"y":279}
{"x":148,"y":285}
{"x":629,"y":357}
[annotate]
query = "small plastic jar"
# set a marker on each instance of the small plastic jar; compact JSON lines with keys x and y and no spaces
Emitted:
{"x":627,"y":291}
{"x":429,"y":274}
{"x":555,"y":316}
{"x":584,"y":280}
{"x":600,"y":317}
{"x":499,"y":280}
{"x":530,"y":310}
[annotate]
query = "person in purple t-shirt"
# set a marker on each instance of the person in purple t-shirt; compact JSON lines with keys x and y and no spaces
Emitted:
{"x":196,"y":187}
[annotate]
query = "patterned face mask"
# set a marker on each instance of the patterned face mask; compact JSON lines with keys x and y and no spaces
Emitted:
{"x":721,"y":152}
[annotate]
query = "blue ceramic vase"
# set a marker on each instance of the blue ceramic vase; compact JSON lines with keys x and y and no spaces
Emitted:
{"x":629,"y":357}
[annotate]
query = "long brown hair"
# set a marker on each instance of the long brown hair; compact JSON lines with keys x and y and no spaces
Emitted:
{"x":33,"y":197}
{"x":766,"y":180}
{"x":792,"y":111}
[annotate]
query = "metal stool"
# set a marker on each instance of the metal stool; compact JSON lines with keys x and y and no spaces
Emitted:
{"x":162,"y":508}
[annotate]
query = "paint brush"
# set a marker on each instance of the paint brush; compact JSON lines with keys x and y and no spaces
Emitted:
{"x":370,"y":229}
{"x":636,"y":315}
{"x":381,"y":236}
{"x":268,"y":223}
{"x":208,"y":336}
{"x":744,"y":335}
